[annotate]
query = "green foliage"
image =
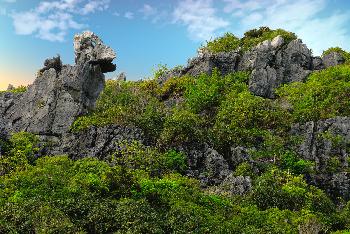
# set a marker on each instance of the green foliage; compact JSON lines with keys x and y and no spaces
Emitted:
{"x":226,"y":43}
{"x":245,"y":119}
{"x":339,"y":50}
{"x":208,"y":91}
{"x":19,"y":89}
{"x":181,"y":127}
{"x":230,"y":42}
{"x":324,"y":95}
{"x":286,"y":191}
{"x":19,"y":152}
{"x":290,"y":161}
{"x":136,"y":156}
{"x":160,"y":70}
{"x":255,"y":36}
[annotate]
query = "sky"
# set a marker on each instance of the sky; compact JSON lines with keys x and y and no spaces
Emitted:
{"x":145,"y":33}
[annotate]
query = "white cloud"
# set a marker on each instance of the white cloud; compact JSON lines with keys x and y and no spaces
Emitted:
{"x":199,"y":16}
{"x":299,"y":16}
{"x":129,"y":15}
{"x":148,"y":10}
{"x":52,"y":20}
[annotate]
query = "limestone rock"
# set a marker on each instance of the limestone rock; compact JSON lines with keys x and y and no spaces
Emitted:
{"x":121,"y":77}
{"x":61,"y":92}
{"x":333,"y":59}
{"x":232,"y":185}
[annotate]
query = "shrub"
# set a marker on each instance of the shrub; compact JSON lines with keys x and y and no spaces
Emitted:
{"x":181,"y":127}
{"x":230,"y":42}
{"x":339,"y":50}
{"x":20,"y":151}
{"x":226,"y":43}
{"x":324,"y":95}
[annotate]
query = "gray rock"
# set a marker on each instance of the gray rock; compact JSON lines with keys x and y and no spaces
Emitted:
{"x":333,"y":59}
{"x":121,"y":77}
{"x":273,"y":64}
{"x":232,"y":185}
{"x":326,"y":143}
{"x":98,"y":142}
{"x":10,"y":87}
{"x":60,"y":93}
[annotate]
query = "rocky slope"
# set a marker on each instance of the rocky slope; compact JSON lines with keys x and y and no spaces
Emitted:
{"x":61,"y":93}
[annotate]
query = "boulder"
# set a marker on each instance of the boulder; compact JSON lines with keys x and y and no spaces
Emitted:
{"x":333,"y":59}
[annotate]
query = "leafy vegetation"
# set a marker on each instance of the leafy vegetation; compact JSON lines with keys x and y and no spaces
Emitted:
{"x":325,"y":94}
{"x":140,"y":190}
{"x":229,"y":42}
{"x":339,"y":50}
{"x":144,"y":189}
{"x":19,"y":89}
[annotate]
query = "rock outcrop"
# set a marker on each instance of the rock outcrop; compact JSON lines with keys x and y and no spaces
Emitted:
{"x":60,"y":93}
{"x":271,"y":63}
{"x":327,"y":143}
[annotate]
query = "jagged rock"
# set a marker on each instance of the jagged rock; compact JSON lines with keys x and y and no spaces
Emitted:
{"x":273,"y":64}
{"x":326,"y":143}
{"x":239,"y":155}
{"x":333,"y":59}
{"x":60,"y":93}
{"x":89,"y":48}
{"x":54,"y":63}
{"x":317,"y":63}
{"x":10,"y":87}
{"x":232,"y":185}
{"x":205,"y":63}
{"x":121,"y":77}
{"x":207,"y":165}
{"x":97,"y":142}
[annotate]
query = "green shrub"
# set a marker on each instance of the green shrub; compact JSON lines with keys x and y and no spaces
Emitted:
{"x":19,"y":152}
{"x":290,"y":161}
{"x":244,"y":119}
{"x":181,"y":127}
{"x":281,"y":189}
{"x":230,"y":42}
{"x":339,"y":50}
{"x":226,"y":43}
{"x":19,"y":89}
{"x":324,"y":95}
{"x":255,"y":36}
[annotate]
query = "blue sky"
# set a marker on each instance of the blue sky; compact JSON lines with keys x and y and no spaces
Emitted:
{"x":145,"y":33}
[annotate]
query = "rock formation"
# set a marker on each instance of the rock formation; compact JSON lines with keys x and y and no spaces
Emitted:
{"x":60,"y":93}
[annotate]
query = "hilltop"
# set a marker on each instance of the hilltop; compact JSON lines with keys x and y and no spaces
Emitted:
{"x":251,"y":136}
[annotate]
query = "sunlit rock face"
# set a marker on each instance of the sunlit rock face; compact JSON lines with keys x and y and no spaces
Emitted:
{"x":60,"y":93}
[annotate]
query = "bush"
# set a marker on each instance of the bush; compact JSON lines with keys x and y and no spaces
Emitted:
{"x":181,"y":127}
{"x":281,"y":189}
{"x":245,"y":120}
{"x":226,"y":43}
{"x":230,"y":42}
{"x":339,"y":50}
{"x":324,"y":95}
{"x":19,"y":152}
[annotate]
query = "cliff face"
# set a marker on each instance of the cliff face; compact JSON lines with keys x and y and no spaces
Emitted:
{"x":61,"y":93}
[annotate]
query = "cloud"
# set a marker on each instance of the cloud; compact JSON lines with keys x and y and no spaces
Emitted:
{"x":52,"y":20}
{"x":129,"y":15}
{"x":199,"y":16}
{"x":148,"y":10}
{"x":304,"y":17}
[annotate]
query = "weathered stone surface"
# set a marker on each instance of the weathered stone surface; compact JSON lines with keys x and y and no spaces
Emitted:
{"x":60,"y":93}
{"x":121,"y":77}
{"x":272,"y":63}
{"x":333,"y":59}
{"x":327,"y":143}
{"x":97,"y":142}
{"x":206,"y":164}
{"x":232,"y":185}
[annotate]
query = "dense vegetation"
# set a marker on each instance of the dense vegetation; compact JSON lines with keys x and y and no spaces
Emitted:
{"x":19,"y":89}
{"x":229,"y":42}
{"x":144,"y":189}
